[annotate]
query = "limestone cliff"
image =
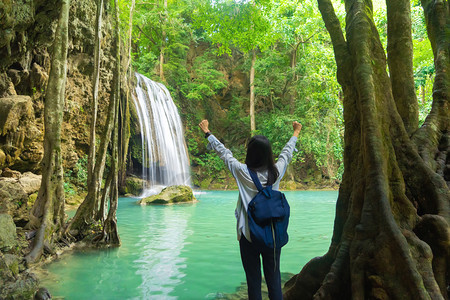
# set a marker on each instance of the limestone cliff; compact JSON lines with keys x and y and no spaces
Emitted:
{"x":27,"y":30}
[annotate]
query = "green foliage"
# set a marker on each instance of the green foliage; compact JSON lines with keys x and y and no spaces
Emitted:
{"x":211,"y":164}
{"x":76,"y":177}
{"x":233,"y":23}
{"x":276,"y":128}
{"x":295,"y":76}
{"x":207,"y":81}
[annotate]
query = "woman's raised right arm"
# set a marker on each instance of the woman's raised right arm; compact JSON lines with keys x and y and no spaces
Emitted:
{"x":285,"y":156}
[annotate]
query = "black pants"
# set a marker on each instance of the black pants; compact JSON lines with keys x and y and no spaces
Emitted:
{"x":250,"y":256}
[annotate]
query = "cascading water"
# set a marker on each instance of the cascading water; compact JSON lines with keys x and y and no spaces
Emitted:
{"x":164,"y":154}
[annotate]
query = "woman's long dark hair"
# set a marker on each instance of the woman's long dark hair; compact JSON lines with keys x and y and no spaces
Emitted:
{"x":260,"y":156}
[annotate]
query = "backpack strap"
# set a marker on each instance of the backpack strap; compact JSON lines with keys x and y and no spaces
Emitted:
{"x":255,"y":179}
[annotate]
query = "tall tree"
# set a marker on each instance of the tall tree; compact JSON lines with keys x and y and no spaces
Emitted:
{"x":48,"y":210}
{"x":391,"y":231}
{"x":230,"y":23}
{"x":86,"y":213}
{"x":285,"y":16}
{"x":124,"y":124}
{"x":110,"y":235}
{"x":399,"y":54}
{"x":95,"y":83}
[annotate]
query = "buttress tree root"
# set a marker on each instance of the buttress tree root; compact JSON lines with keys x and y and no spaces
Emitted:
{"x":391,"y":231}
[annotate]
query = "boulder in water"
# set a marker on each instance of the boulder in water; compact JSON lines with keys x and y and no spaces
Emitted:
{"x":171,"y":195}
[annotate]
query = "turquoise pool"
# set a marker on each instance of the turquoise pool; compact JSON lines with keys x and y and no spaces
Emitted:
{"x":187,"y":251}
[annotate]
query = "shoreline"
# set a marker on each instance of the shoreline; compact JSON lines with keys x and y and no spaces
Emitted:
{"x":282,"y":190}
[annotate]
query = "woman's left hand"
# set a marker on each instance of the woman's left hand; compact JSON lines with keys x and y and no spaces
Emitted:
{"x":204,"y":126}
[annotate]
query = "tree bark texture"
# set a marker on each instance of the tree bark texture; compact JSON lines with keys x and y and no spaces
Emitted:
{"x":125,"y":127}
{"x":95,"y":83}
{"x":252,"y":92}
{"x":48,"y":210}
{"x":391,"y":233}
{"x":125,"y":133}
{"x":400,"y":53}
{"x":110,"y":232}
{"x":430,"y":135}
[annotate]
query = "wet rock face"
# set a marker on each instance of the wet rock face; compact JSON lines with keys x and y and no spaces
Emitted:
{"x":21,"y":145}
{"x":17,"y":194}
{"x":27,"y":29}
{"x":171,"y":195}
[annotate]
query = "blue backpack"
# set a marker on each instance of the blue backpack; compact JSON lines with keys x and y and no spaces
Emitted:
{"x":268,"y":216}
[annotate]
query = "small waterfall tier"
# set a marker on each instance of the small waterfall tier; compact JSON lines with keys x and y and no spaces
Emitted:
{"x":164,"y":155}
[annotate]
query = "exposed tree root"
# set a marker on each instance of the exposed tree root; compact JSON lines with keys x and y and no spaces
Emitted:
{"x":391,"y":233}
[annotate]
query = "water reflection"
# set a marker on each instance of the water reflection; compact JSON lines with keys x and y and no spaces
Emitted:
{"x":160,"y":264}
{"x":186,"y":251}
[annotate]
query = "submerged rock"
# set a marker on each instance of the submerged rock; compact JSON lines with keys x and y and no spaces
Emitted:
{"x":171,"y":195}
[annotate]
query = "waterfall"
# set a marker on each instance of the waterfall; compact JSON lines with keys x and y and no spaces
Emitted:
{"x":164,"y":154}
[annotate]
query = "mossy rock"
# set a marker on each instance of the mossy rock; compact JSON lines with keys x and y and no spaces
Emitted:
{"x":31,"y":199}
{"x":205,"y":183}
{"x":134,"y":186}
{"x":8,"y":234}
{"x":289,"y":185}
{"x":171,"y":195}
{"x":12,"y":262}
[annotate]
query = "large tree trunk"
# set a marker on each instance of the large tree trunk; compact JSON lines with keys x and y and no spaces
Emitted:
{"x":252,"y":92}
{"x":110,"y":234}
{"x":391,"y":233}
{"x":48,"y":210}
{"x":400,"y":53}
{"x":95,"y":82}
{"x":125,"y":109}
{"x":430,"y":135}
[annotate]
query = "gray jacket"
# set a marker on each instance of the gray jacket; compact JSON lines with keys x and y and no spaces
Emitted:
{"x":247,"y":189}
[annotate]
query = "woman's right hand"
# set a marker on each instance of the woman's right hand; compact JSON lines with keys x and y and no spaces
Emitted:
{"x":204,"y":126}
{"x":297,"y":127}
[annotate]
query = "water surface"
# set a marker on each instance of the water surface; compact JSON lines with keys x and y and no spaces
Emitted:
{"x":187,"y":251}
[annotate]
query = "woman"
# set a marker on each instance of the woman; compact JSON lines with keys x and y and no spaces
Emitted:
{"x":259,"y":159}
